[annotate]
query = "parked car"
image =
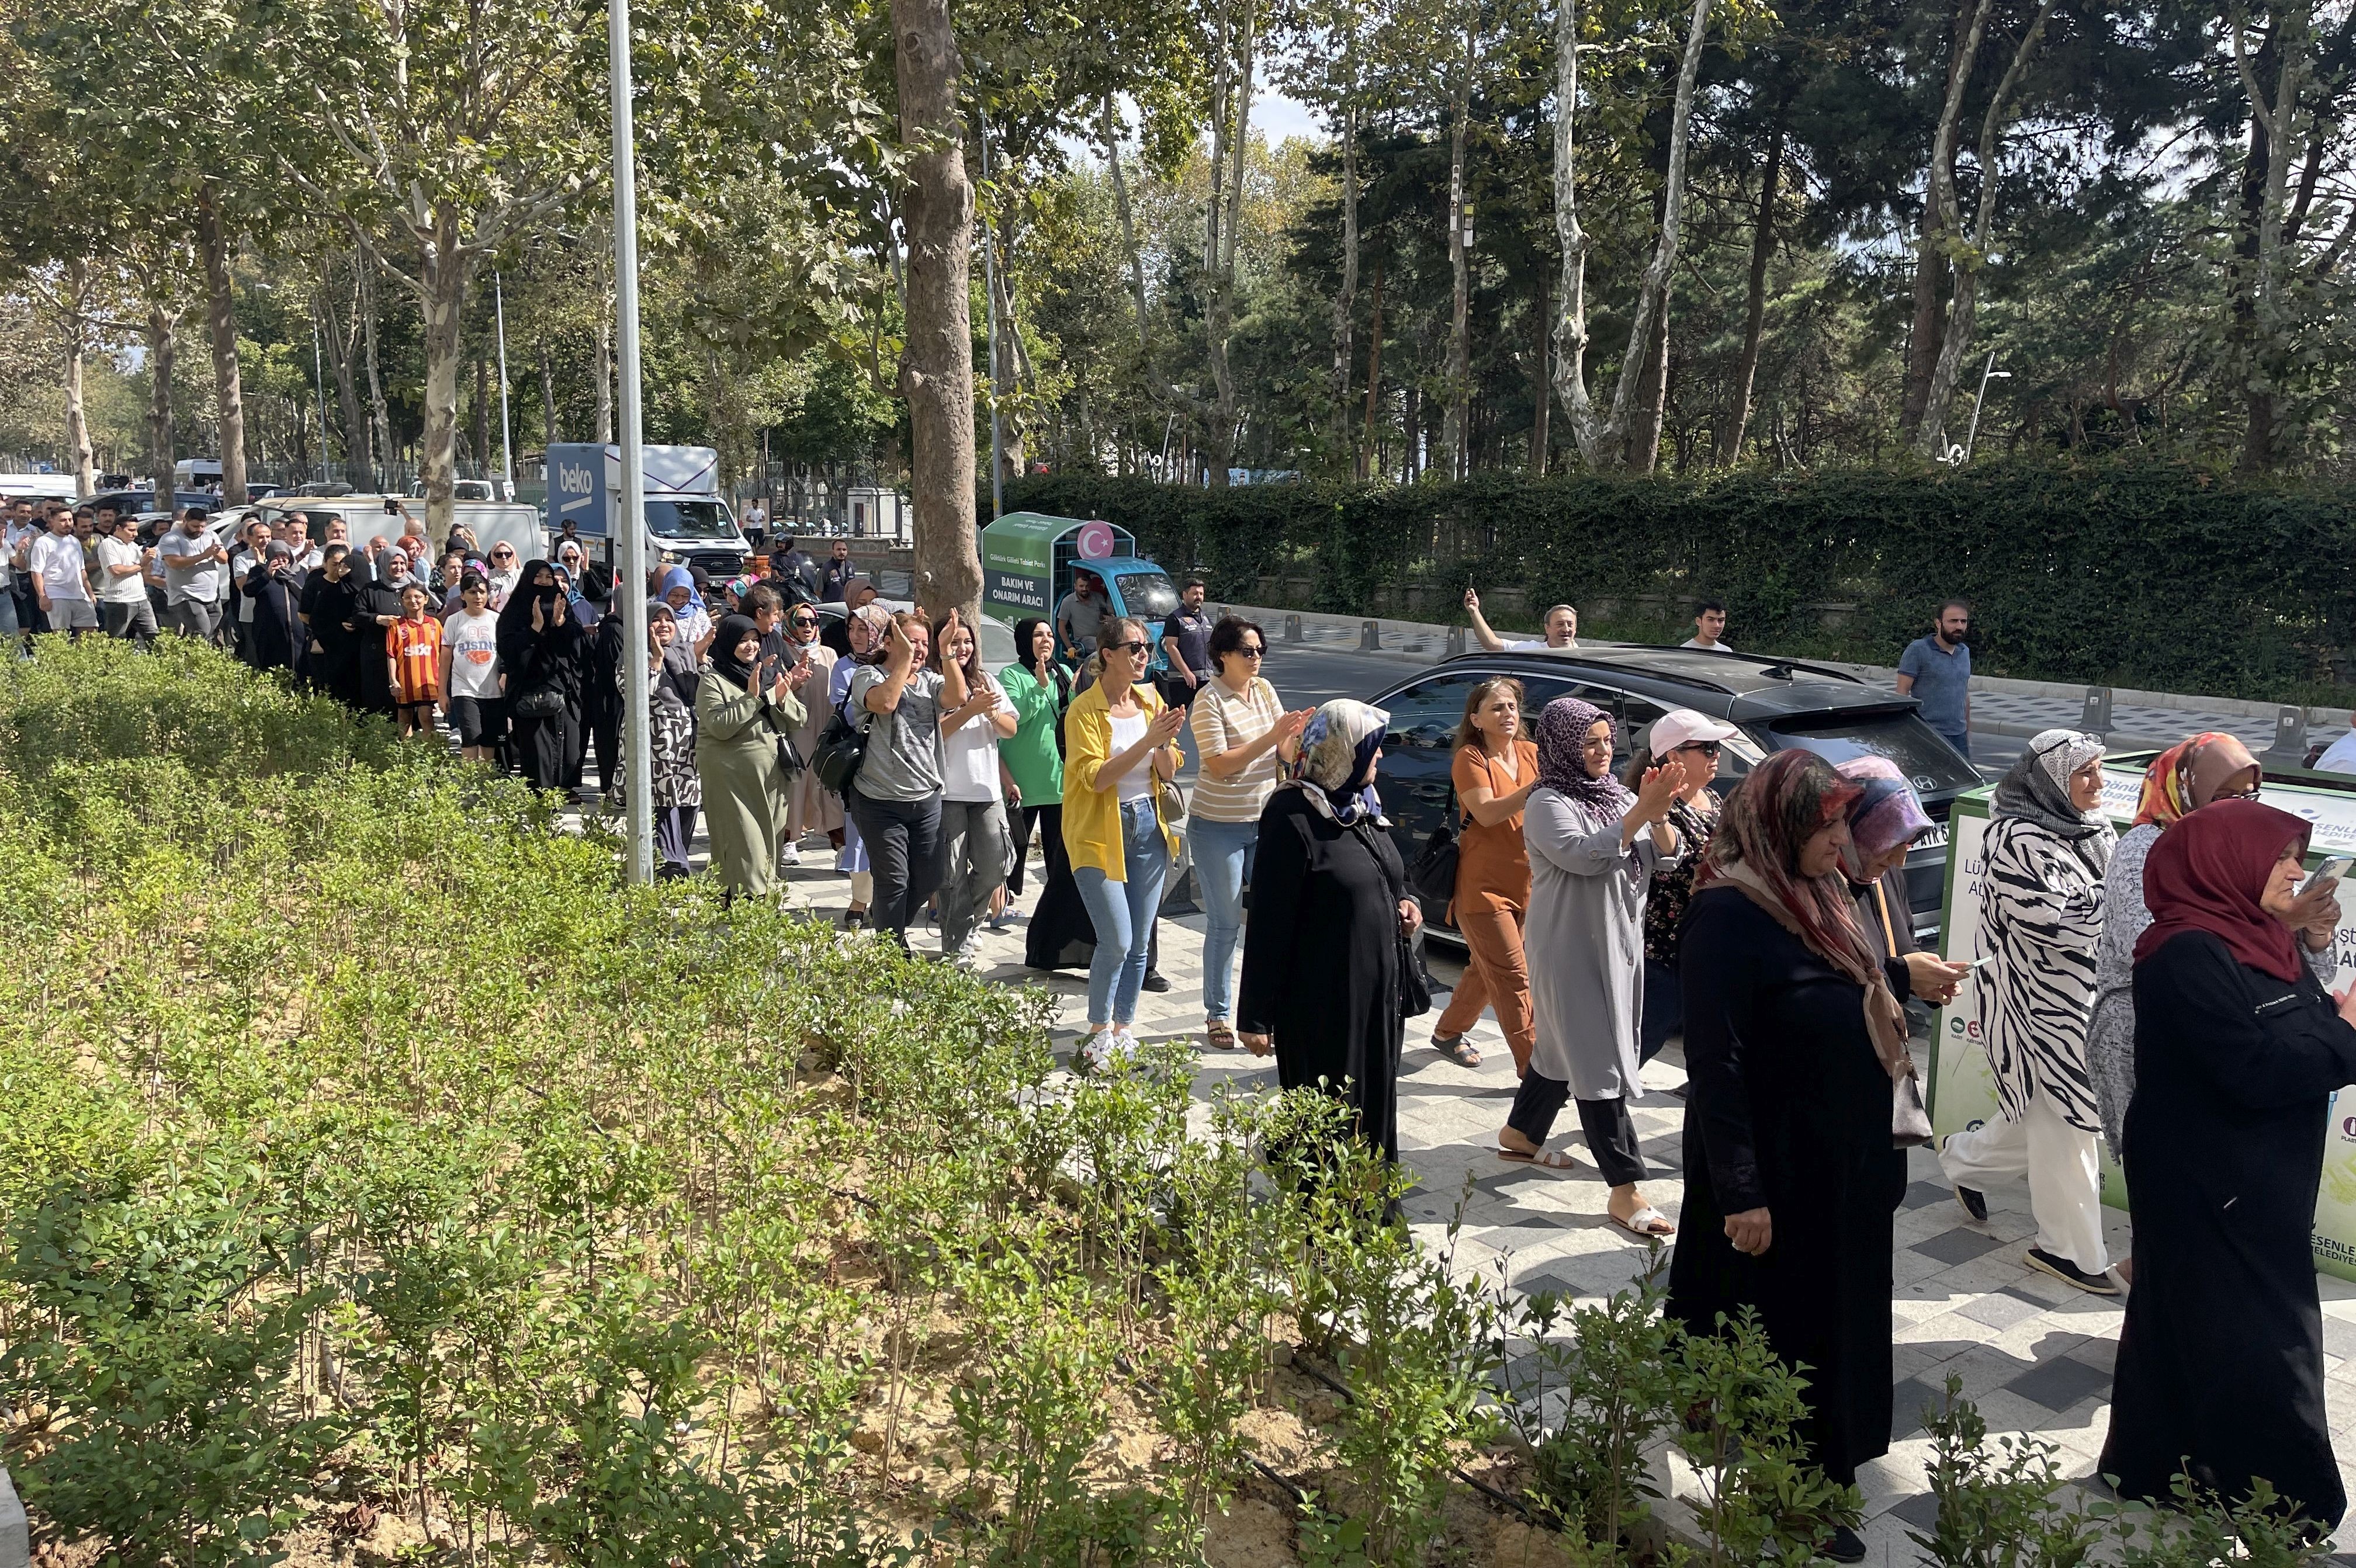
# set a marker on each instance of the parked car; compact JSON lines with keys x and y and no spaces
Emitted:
{"x":144,"y":500}
{"x":1777,"y":704}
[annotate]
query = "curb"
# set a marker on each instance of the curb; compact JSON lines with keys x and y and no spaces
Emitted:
{"x":15,"y":1533}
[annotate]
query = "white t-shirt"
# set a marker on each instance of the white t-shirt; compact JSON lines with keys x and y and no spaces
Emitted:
{"x":129,"y":588}
{"x":2341,"y":756}
{"x":969,"y":757}
{"x":1138,"y":783}
{"x":1707,"y":647}
{"x":200,"y":584}
{"x":59,"y":562}
{"x":1535,"y":643}
{"x":473,"y":644}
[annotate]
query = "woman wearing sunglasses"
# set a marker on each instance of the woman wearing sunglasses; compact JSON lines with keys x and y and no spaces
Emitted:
{"x":1693,"y":739}
{"x":1119,"y":749}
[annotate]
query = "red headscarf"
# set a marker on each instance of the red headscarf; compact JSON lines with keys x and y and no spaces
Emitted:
{"x":2189,"y":775}
{"x":2207,"y":873}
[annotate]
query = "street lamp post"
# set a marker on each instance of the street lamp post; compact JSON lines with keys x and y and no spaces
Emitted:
{"x":507,"y":442}
{"x":631,"y":591}
{"x":1972,"y":436}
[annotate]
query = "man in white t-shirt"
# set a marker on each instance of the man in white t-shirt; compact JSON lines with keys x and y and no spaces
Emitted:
{"x":1561,"y":628}
{"x":122,"y":581}
{"x":61,"y":578}
{"x":195,"y":572}
{"x":1710,"y":628}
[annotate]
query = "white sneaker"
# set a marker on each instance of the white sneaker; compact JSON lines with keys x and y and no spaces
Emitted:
{"x":1125,"y":1043}
{"x":1098,"y":1054}
{"x":791,"y":855}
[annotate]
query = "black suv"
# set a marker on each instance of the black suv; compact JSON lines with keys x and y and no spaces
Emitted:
{"x":1775,"y":703}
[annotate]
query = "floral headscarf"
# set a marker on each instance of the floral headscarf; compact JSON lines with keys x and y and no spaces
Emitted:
{"x":1563,"y":725}
{"x":1335,"y":766}
{"x":2189,"y":775}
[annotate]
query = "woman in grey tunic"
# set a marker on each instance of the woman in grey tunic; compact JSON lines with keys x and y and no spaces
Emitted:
{"x":1593,"y":846}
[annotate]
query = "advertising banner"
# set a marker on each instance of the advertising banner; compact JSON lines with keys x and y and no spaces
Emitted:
{"x":577,"y":491}
{"x":1017,"y":556}
{"x":1963,"y":1088}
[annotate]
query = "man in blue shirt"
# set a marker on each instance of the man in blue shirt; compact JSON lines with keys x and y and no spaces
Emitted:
{"x":1936,"y":670}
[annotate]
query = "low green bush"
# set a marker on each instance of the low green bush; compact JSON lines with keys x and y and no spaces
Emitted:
{"x":2153,"y":576}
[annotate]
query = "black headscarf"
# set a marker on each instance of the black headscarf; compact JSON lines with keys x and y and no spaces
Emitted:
{"x":1024,"y":630}
{"x":734,"y":629}
{"x":515,"y":616}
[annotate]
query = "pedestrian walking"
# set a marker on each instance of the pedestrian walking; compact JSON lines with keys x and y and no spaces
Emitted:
{"x":739,"y":719}
{"x":811,"y":807}
{"x":896,"y":796}
{"x":1593,"y":846}
{"x":1695,"y":739}
{"x":1936,"y":671}
{"x":543,"y":657}
{"x":1561,"y":623}
{"x":974,"y":841}
{"x":2041,"y":912}
{"x":1120,"y":750}
{"x":1494,"y":769}
{"x":2193,"y":774}
{"x":1327,"y":977}
{"x":470,"y":672}
{"x":1244,"y":739}
{"x":380,"y":607}
{"x":122,"y":585}
{"x":2239,"y":1050}
{"x":1039,"y":690}
{"x":1794,"y":1041}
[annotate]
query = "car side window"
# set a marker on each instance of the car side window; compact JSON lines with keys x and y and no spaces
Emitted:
{"x":1424,"y":716}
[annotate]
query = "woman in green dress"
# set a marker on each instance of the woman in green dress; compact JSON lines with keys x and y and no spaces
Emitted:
{"x":739,"y":719}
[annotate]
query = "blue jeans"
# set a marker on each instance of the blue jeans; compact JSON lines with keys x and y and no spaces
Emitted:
{"x":1123,"y":913}
{"x":1961,"y":740}
{"x":1223,"y":861}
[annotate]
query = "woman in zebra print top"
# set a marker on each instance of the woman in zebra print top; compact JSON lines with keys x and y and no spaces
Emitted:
{"x":2041,"y":917}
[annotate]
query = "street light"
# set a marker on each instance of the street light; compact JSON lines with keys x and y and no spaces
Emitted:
{"x":1972,"y":436}
{"x":631,"y":591}
{"x":506,"y":444}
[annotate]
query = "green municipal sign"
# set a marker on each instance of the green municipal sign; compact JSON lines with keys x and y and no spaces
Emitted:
{"x":1018,"y":563}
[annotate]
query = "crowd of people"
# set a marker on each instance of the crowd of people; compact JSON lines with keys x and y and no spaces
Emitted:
{"x":2160,"y":992}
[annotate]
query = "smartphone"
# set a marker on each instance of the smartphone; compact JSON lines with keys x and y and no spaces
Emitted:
{"x":1971,"y":964}
{"x":2332,"y":869}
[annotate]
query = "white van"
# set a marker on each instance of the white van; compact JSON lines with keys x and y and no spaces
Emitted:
{"x":688,"y":520}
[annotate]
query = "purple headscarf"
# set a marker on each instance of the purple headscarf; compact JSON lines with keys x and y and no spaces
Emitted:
{"x":1562,"y":738}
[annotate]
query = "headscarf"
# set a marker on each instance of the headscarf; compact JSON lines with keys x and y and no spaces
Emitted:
{"x":1024,"y":630}
{"x":1563,"y":725}
{"x":2038,"y":790}
{"x":515,"y":616}
{"x":2208,"y":872}
{"x":1785,"y":801}
{"x":2188,"y":775}
{"x":679,"y":577}
{"x":1885,"y":814}
{"x":878,"y":621}
{"x":734,"y":629}
{"x":1336,"y":763}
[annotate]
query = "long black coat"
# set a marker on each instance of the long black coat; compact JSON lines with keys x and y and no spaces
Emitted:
{"x":1788,"y":1111}
{"x":2221,"y":1361}
{"x":1321,"y":958}
{"x":375,"y":666}
{"x":276,"y":640}
{"x":555,"y":657}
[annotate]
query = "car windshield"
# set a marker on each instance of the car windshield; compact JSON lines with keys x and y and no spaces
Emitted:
{"x":1148,"y":595}
{"x":689,"y":520}
{"x":1928,"y":762}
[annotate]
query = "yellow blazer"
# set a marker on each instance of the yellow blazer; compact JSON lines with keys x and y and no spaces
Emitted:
{"x":1092,"y":816}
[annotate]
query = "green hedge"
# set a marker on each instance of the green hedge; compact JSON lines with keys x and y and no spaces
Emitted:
{"x":2164,"y":578}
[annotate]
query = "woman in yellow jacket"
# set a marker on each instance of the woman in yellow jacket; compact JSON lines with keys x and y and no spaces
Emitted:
{"x":1117,"y":751}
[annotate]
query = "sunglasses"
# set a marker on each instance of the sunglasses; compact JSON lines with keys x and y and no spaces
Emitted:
{"x":805,"y":621}
{"x":502,"y":555}
{"x":1131,"y":647}
{"x":1707,"y":748}
{"x":1251,"y":653}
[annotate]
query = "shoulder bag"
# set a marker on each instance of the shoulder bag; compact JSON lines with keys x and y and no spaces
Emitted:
{"x":841,"y":748}
{"x":1414,"y":985}
{"x":540,"y":702}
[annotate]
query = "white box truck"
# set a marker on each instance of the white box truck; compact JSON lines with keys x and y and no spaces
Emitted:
{"x":688,"y":520}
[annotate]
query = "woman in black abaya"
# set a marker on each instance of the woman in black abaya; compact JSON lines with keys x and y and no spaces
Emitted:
{"x":545,"y":659}
{"x":2237,"y":1049}
{"x":1330,"y":917}
{"x":1793,"y":1039}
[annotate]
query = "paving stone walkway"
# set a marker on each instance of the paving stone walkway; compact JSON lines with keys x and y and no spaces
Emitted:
{"x":2033,"y":1353}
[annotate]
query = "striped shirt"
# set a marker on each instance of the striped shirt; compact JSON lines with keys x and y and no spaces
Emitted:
{"x":415,"y":648}
{"x":1224,"y":722}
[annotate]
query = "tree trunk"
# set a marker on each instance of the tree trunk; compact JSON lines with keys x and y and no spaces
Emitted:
{"x":1457,"y":436}
{"x":1345,"y":299}
{"x":1963,"y":302}
{"x":1374,"y":382}
{"x":162,"y":351}
{"x":1942,"y":225}
{"x":77,"y":349}
{"x":442,"y":275}
{"x":1231,"y":87}
{"x":937,"y":367}
{"x":1754,"y":316}
{"x":220,"y":320}
{"x":1541,"y":377}
{"x":381,"y":454}
{"x":548,"y":436}
{"x":1004,"y":372}
{"x":1652,"y":396}
{"x":358,"y":466}
{"x":1642,"y":365}
{"x":2258,"y":245}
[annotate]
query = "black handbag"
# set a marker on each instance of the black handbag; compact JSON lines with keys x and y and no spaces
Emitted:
{"x":841,"y":750}
{"x":1433,"y":875}
{"x":540,"y":702}
{"x":1414,"y":984}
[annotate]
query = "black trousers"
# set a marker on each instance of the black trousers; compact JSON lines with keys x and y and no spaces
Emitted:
{"x":605,"y":739}
{"x":1611,"y":1131}
{"x":674,"y":831}
{"x":904,"y":850}
{"x":1049,"y":821}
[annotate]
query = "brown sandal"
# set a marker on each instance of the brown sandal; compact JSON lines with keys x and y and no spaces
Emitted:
{"x":1220,"y":1033}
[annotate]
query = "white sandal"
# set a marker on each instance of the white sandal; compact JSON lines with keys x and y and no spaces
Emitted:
{"x":1647,"y":1223}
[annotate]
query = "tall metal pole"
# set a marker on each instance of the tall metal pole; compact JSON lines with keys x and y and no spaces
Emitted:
{"x":507,"y":442}
{"x":989,"y":288}
{"x":630,"y":591}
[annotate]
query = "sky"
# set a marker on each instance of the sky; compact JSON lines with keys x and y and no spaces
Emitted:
{"x":1276,"y":117}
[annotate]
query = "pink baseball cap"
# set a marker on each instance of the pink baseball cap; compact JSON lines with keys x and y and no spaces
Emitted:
{"x":1683,"y":727}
